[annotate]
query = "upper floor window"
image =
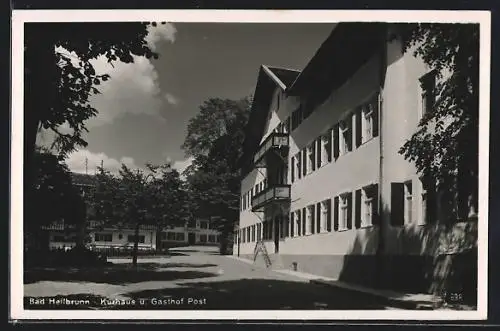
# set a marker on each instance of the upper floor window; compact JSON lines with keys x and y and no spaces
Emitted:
{"x":310,"y":219}
{"x":367,"y":122}
{"x":345,"y":135}
{"x":326,"y":147}
{"x":298,"y":164}
{"x":298,"y":222}
{"x":203,"y":225}
{"x":310,"y":158}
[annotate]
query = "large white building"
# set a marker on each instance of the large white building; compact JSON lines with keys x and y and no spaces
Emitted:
{"x":324,"y":187}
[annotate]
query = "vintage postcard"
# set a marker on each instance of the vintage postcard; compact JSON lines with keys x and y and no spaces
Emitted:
{"x":242,"y":165}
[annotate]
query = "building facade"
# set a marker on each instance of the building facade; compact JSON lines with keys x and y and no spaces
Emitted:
{"x":63,"y":236}
{"x":324,"y":187}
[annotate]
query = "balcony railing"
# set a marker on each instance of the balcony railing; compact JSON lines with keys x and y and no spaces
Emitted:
{"x":274,"y":140}
{"x":273,"y":193}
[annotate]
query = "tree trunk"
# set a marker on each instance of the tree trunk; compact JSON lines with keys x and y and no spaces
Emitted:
{"x":136,"y":246}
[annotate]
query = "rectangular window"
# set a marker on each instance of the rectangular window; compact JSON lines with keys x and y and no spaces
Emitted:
{"x":324,"y":215}
{"x":292,"y":225}
{"x":103,"y":237}
{"x":211,"y":238}
{"x":259,"y":231}
{"x":131,"y":239}
{"x":326,"y":148}
{"x":428,"y":206}
{"x":253,"y":232}
{"x":203,"y":238}
{"x":180,"y":236}
{"x":298,"y":157}
{"x":408,"y":208}
{"x":249,"y":238}
{"x":310,"y":158}
{"x":170,"y":235}
{"x":368,"y":205}
{"x":345,"y":135}
{"x":345,"y":210}
{"x":292,"y":169}
{"x":367,"y":113}
{"x":203,"y":225}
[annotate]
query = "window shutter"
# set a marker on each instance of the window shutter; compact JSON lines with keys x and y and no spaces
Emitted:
{"x":336,"y":213}
{"x":350,"y":131}
{"x":336,"y":141}
{"x":313,"y":155}
{"x":304,"y":161}
{"x":313,"y":223}
{"x":375,"y":213}
{"x":329,"y":149}
{"x":318,"y":153}
{"x":349,"y":211}
{"x":299,"y":223}
{"x":299,"y":162}
{"x":357,"y":209}
{"x":397,"y":204}
{"x":292,"y":169}
{"x":292,"y":223}
{"x":357,"y":128}
{"x":377,"y":106}
{"x":329,"y":215}
{"x":304,"y":221}
{"x":318,"y":217}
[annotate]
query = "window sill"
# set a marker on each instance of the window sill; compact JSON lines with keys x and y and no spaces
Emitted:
{"x":342,"y":230}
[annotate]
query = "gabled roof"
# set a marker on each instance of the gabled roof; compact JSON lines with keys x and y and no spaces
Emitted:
{"x":346,"y":49}
{"x":267,"y":80}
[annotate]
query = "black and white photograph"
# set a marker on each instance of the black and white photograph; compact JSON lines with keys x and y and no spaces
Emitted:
{"x":296,"y":165}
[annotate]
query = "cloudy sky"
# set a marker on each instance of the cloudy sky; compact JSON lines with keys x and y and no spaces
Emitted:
{"x":145,"y":107}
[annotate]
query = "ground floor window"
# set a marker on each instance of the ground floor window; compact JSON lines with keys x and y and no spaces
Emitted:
{"x":103,"y":237}
{"x":131,"y":239}
{"x":203,"y":238}
{"x":180,"y":236}
{"x":211,"y":238}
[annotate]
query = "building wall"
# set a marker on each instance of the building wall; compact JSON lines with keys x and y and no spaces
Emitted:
{"x":119,"y":238}
{"x":350,"y":254}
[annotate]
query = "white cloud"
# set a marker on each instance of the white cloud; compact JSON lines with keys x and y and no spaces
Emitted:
{"x":132,"y":89}
{"x":171,"y":99}
{"x":182,"y":165}
{"x":162,"y":32}
{"x":76,"y":162}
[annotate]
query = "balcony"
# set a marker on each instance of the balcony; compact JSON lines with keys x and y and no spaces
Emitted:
{"x":272,"y":194}
{"x":276,"y":141}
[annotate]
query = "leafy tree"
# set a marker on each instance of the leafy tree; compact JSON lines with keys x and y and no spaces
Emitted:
{"x":58,"y":84}
{"x":215,"y":139}
{"x":168,"y":199}
{"x":55,"y":198}
{"x":445,"y":146}
{"x":137,"y":197}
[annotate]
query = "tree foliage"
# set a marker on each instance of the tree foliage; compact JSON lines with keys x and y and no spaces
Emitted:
{"x":445,"y":146}
{"x":60,"y":77}
{"x":215,"y":139}
{"x":138,"y":197}
{"x":55,"y":198}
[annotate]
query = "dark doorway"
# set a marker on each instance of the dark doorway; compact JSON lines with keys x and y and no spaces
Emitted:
{"x":277,"y":220}
{"x":191,"y":238}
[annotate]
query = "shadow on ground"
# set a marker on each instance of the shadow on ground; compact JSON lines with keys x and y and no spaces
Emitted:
{"x":118,"y":274}
{"x":253,"y":294}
